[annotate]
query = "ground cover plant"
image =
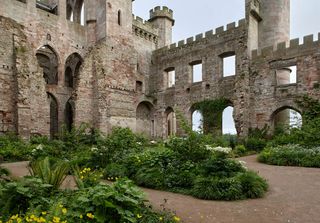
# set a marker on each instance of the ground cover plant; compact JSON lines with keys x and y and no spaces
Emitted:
{"x":196,"y":164}
{"x":33,"y":199}
{"x":291,"y":155}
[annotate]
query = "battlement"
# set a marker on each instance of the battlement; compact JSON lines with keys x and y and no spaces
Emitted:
{"x":161,"y":12}
{"x":283,"y":48}
{"x":144,"y":29}
{"x":211,"y":34}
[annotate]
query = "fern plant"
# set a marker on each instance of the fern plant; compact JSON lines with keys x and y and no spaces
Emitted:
{"x":50,"y":174}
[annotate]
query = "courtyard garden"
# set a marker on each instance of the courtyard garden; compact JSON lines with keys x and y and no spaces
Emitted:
{"x":108,"y":169}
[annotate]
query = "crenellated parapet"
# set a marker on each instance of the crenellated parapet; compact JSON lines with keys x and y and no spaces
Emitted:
{"x":219,"y":32}
{"x":161,"y":12}
{"x":144,"y":29}
{"x":294,"y":48}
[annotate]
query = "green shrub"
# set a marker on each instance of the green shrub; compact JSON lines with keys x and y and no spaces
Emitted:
{"x":216,"y":188}
{"x":253,"y":186}
{"x":12,"y":148}
{"x":220,"y":167}
{"x":191,"y":148}
{"x":255,"y":144}
{"x":241,"y":186}
{"x":291,"y":155}
{"x":17,"y":197}
{"x":240,"y":150}
{"x":114,"y":170}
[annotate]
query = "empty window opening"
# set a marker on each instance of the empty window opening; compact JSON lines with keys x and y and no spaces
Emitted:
{"x":48,"y":61}
{"x":286,"y":75}
{"x":139,"y":86}
{"x":196,"y":72}
{"x":229,"y":66}
{"x":170,"y":122}
{"x":228,"y":125}
{"x":170,"y":77}
{"x":197,"y":121}
{"x":68,"y":77}
{"x":82,"y":22}
{"x":69,"y":113}
{"x":119,"y":17}
{"x":72,"y":70}
{"x":286,"y":119}
{"x":53,"y":116}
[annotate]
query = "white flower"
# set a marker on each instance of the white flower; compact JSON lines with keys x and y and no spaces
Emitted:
{"x":139,"y":143}
{"x":39,"y":147}
{"x":219,"y":149}
{"x":153,"y":142}
{"x":243,"y":164}
{"x":94,"y":149}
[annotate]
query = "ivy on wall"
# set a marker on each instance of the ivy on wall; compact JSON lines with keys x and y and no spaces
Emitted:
{"x":211,"y":111}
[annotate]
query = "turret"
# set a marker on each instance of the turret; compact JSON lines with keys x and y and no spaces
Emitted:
{"x":275,"y":24}
{"x":162,"y":19}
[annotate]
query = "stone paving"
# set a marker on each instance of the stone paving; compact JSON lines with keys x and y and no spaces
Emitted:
{"x":293,"y":197}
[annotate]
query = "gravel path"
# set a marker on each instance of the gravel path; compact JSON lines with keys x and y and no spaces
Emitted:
{"x":293,"y":197}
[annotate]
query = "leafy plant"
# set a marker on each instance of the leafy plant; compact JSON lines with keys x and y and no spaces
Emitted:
{"x":53,"y":174}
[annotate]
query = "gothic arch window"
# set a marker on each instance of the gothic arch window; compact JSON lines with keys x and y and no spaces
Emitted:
{"x":72,"y":69}
{"x":69,"y":115}
{"x":48,"y":61}
{"x":54,"y":128}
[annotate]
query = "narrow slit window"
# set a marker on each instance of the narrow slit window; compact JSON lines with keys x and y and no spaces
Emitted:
{"x":171,"y":75}
{"x":119,"y":17}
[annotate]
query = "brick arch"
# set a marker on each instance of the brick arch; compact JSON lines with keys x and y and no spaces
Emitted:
{"x":72,"y":68}
{"x":48,"y":60}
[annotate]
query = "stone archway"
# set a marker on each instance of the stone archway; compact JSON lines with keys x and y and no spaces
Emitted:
{"x":145,"y":119}
{"x":69,"y":114}
{"x":170,"y":122}
{"x":72,"y":69}
{"x":286,"y":117}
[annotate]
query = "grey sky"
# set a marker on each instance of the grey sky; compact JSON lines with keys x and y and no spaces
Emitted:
{"x":194,"y":17}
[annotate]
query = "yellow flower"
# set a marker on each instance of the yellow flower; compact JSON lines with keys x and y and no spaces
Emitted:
{"x":44,"y":213}
{"x":176,"y":218}
{"x":81,"y":216}
{"x":139,"y":216}
{"x":56,"y":219}
{"x":90,"y":215}
{"x":60,"y":206}
{"x":161,"y":218}
{"x":64,"y":210}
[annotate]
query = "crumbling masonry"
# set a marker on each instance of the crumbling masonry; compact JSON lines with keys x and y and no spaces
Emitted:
{"x":114,"y":69}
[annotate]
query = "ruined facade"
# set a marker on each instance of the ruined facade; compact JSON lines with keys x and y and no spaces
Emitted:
{"x":73,"y":61}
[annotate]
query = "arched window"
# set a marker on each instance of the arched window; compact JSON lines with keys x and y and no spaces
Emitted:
{"x":197,"y":119}
{"x":54,"y":128}
{"x":228,"y":125}
{"x":48,"y":61}
{"x":119,"y":17}
{"x":69,"y":115}
{"x":72,"y":69}
{"x":170,"y":122}
{"x":286,"y":118}
{"x":145,"y":119}
{"x":68,"y":77}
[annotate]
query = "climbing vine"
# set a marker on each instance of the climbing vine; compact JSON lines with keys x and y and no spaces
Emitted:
{"x":211,"y":111}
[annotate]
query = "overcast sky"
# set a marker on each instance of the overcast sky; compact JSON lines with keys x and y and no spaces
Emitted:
{"x":194,"y":17}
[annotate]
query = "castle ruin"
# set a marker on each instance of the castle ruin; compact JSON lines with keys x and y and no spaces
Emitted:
{"x":114,"y":69}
